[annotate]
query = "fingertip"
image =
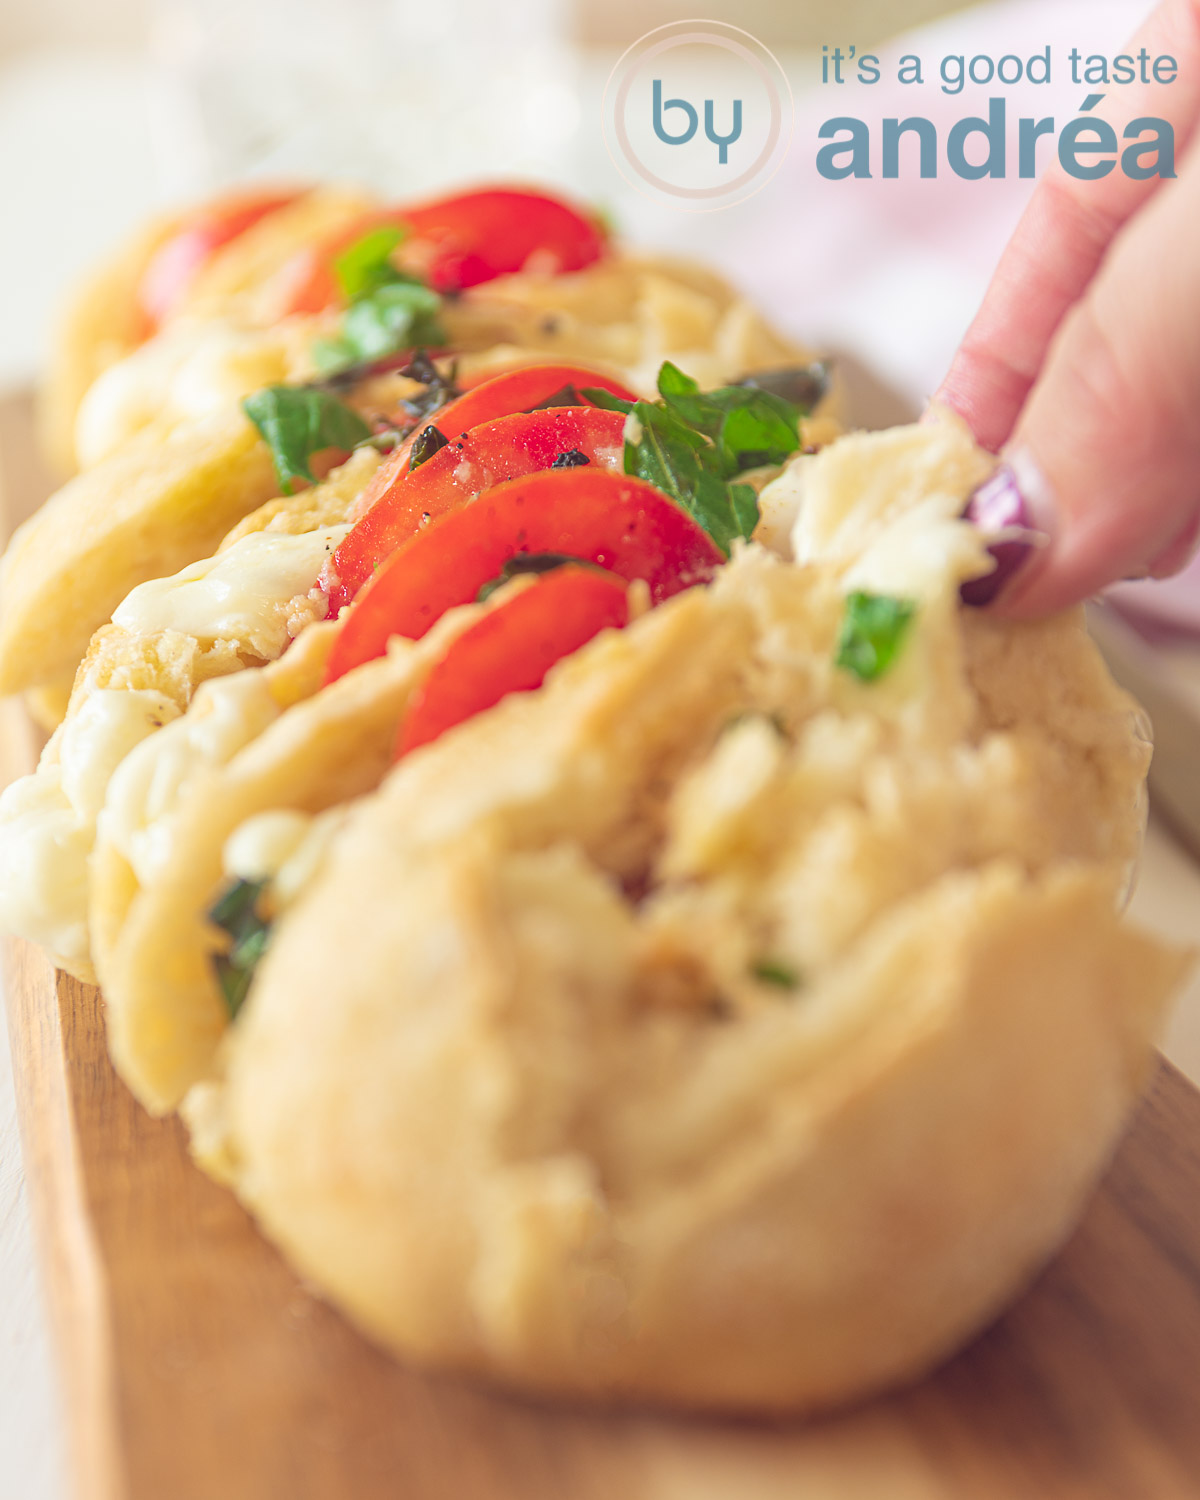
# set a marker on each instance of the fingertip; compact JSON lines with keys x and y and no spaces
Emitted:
{"x":1016,"y":509}
{"x":987,"y":396}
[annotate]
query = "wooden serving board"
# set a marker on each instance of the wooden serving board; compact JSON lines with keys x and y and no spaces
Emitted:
{"x":197,"y":1367}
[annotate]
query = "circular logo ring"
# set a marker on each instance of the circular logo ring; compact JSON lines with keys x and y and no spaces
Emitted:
{"x":700,"y":197}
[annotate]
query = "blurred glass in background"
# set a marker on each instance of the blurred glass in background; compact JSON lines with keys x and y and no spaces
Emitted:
{"x":417,"y":94}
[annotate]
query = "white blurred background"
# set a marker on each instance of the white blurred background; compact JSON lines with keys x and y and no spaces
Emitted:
{"x":110,"y":108}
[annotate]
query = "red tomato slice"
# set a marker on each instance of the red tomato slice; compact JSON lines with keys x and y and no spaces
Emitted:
{"x":518,"y":389}
{"x":620,"y":523}
{"x":174,"y":265}
{"x":511,"y":649}
{"x":494,"y":231}
{"x":458,"y":242}
{"x":484,"y":456}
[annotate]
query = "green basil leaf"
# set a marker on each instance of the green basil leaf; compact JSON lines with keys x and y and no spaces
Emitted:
{"x":366,"y":265}
{"x":774,"y":971}
{"x":392,"y":311}
{"x":708,"y":502}
{"x":663,"y":450}
{"x":393,"y":316}
{"x":673,"y":382}
{"x":666,"y":453}
{"x":681,"y":396}
{"x":605,"y":400}
{"x":759,"y":430}
{"x":872,"y":632}
{"x":692,"y":445}
{"x":744,"y":504}
{"x":236,"y":913}
{"x":532,"y":562}
{"x":429,"y":440}
{"x":334,"y":357}
{"x":234,"y":984}
{"x":566,"y":395}
{"x":234,"y":908}
{"x":749,"y":428}
{"x":298,"y":421}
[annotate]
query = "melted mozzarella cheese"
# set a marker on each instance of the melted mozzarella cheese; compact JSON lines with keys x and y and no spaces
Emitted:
{"x":48,"y":820}
{"x":96,"y":739}
{"x":779,"y":505}
{"x":262,"y":844}
{"x":43,"y":868}
{"x":244,"y":594}
{"x":108,"y":750}
{"x":869,"y":508}
{"x":224,"y":716}
{"x":283,"y":846}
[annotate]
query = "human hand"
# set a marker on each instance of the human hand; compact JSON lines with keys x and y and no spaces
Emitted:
{"x":1083,"y":363}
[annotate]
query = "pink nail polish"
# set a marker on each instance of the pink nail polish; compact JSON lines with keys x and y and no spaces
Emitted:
{"x":1014,"y":506}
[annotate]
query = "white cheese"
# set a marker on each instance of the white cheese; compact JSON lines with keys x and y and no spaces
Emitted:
{"x":43,"y":867}
{"x":918,"y":555}
{"x":109,"y":749}
{"x":257,"y":849}
{"x":224,"y":716}
{"x":244,"y":594}
{"x":283,"y":846}
{"x":96,"y":739}
{"x":48,"y":820}
{"x":779,"y":506}
{"x":884,"y":508}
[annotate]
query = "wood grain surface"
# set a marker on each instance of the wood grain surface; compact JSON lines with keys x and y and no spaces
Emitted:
{"x":197,"y":1367}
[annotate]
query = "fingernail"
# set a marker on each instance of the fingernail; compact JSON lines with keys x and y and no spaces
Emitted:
{"x":1013,"y":505}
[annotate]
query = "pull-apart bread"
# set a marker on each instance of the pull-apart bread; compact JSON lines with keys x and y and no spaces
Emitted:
{"x":616,"y":918}
{"x":157,"y":350}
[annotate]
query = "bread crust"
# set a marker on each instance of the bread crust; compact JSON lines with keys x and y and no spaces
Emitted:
{"x":509,"y":1085}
